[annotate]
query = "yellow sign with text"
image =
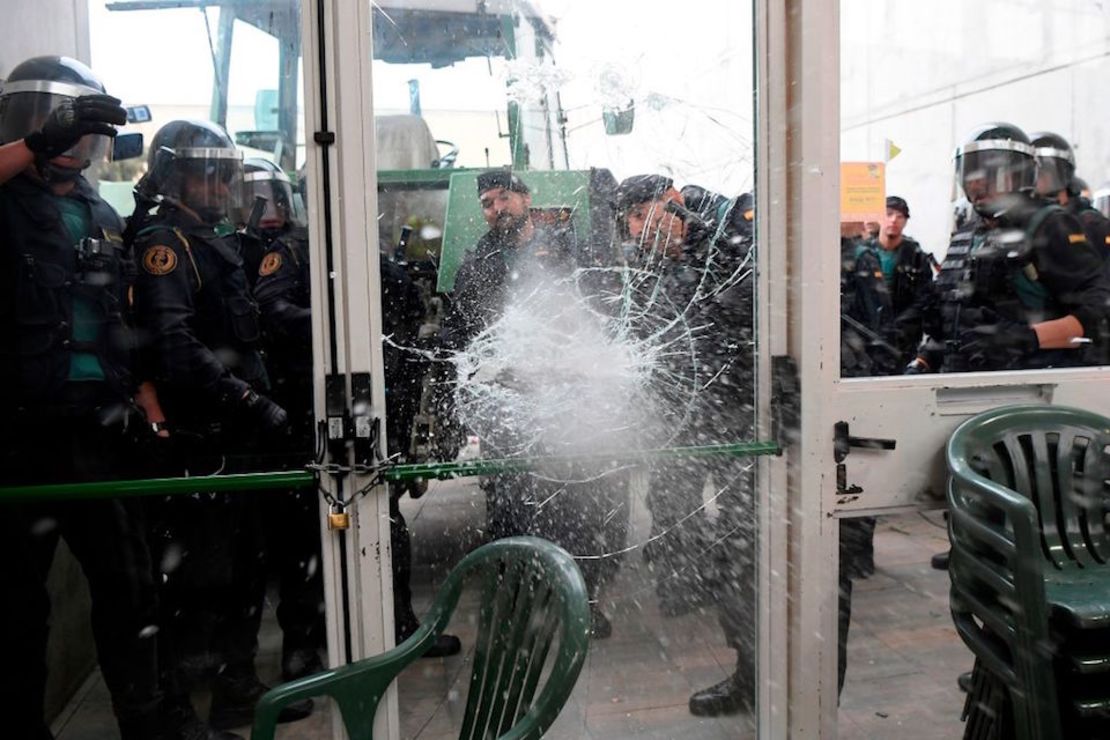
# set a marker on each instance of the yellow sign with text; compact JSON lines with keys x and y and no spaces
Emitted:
{"x":862,"y":191}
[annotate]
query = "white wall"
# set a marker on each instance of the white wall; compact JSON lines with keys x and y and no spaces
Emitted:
{"x":923,"y":74}
{"x":40,"y":27}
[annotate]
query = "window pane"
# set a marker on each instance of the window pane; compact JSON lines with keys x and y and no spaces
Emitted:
{"x":957,"y":263}
{"x":568,"y":276}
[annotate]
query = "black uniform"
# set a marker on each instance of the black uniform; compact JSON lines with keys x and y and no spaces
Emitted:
{"x":402,"y":313}
{"x":483,"y":279}
{"x":200,"y":329}
{"x":65,"y":388}
{"x":1031,"y":264}
{"x":283,"y":293}
{"x":899,"y":323}
{"x":1095,"y":225}
{"x":865,"y":301}
{"x":712,"y":284}
{"x":292,"y":518}
{"x":584,"y":518}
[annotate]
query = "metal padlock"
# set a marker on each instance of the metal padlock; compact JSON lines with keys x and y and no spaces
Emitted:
{"x":338,"y":518}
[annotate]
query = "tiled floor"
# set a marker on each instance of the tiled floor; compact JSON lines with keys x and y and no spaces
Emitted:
{"x":904,"y":655}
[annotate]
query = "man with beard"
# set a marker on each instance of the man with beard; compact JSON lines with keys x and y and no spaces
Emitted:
{"x":513,"y":241}
{"x":693,"y":250}
{"x":585,"y":519}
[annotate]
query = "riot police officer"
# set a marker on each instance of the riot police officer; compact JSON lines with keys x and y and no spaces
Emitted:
{"x":1057,"y":182}
{"x":200,"y":347}
{"x":66,"y":385}
{"x":283,"y":290}
{"x":274,"y":248}
{"x":1022,"y":287}
{"x":698,"y":246}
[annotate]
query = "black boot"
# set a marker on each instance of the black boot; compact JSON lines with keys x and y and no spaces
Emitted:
{"x":234,"y":699}
{"x":964,"y":682}
{"x":940,"y":560}
{"x":300,"y":663}
{"x":727,"y":697}
{"x":444,"y":646}
{"x":180,"y":722}
{"x":600,"y":627}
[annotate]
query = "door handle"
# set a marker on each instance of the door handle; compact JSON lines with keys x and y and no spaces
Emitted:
{"x":843,"y":443}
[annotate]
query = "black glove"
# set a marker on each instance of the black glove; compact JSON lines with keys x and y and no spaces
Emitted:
{"x":267,"y":413}
{"x":997,"y":342}
{"x":917,"y":367}
{"x":74,"y":118}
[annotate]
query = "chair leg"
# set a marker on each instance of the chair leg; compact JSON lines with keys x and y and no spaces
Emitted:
{"x":988,"y":710}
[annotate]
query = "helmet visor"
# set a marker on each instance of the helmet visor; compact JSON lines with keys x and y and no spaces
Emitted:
{"x":987,"y":169}
{"x":23,"y":113}
{"x":277,"y":192}
{"x":1053,"y":172}
{"x":210,"y":182}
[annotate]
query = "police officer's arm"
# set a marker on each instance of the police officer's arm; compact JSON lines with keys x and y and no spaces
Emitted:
{"x":14,"y":158}
{"x":910,"y":324}
{"x":1097,"y":229}
{"x":925,"y":313}
{"x":164,"y":307}
{"x":67,"y":123}
{"x":462,"y":320}
{"x":402,"y":306}
{"x":275,"y":292}
{"x":1071,"y":269}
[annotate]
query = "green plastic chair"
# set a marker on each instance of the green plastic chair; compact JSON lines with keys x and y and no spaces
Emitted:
{"x":1030,"y":551}
{"x":532,"y":596}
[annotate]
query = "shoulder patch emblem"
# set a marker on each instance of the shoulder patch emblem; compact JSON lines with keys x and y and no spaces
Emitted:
{"x":159,"y":260}
{"x":271,"y":263}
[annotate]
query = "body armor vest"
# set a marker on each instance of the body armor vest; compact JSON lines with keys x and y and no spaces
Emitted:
{"x":44,"y":272}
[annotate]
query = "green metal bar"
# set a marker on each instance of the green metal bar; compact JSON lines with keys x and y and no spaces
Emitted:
{"x":157,"y":486}
{"x":303,"y":479}
{"x":468,"y":468}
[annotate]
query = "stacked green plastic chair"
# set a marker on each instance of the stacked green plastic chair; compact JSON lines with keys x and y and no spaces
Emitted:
{"x":533,"y":635}
{"x":1029,"y":498}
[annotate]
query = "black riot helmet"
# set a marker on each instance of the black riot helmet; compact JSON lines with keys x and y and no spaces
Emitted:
{"x":195,"y":163}
{"x":1055,"y":162}
{"x":264,"y":179}
{"x":35,"y":88}
{"x":996,"y":161}
{"x":1079,"y":187}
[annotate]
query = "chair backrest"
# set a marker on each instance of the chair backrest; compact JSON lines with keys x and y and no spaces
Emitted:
{"x":1059,"y":459}
{"x":532,"y":642}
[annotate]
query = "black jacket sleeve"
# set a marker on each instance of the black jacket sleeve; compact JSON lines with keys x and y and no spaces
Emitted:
{"x":1071,"y":269}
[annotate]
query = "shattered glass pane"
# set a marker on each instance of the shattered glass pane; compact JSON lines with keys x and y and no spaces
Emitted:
{"x":581,"y":333}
